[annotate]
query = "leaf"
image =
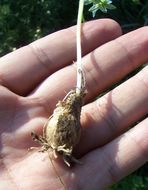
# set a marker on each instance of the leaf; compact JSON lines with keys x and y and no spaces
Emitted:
{"x":111,"y":7}
{"x":87,"y":2}
{"x":94,"y":9}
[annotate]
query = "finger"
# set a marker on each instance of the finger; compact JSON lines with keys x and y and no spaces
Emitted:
{"x":113,"y":113}
{"x":103,"y":67}
{"x":109,"y":164}
{"x":31,"y":64}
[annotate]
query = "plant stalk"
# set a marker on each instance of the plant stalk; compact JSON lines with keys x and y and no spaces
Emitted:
{"x":80,"y":78}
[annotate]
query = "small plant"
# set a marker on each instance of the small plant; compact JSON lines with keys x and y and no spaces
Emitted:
{"x":63,"y":129}
{"x":101,"y":5}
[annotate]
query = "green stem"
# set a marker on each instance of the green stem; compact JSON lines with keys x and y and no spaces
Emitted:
{"x":79,"y":49}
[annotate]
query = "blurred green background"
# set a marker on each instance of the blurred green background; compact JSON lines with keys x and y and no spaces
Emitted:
{"x":21,"y":21}
{"x":24,"y":21}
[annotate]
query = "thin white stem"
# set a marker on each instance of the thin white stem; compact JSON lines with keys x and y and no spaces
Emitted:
{"x":79,"y":85}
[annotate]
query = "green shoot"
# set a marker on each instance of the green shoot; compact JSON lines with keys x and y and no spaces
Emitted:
{"x":101,"y":5}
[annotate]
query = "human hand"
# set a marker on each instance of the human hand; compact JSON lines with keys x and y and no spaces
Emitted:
{"x":35,"y":77}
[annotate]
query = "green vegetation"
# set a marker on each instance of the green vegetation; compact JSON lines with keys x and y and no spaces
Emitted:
{"x":102,"y":5}
{"x":136,"y":181}
{"x":131,"y":14}
{"x":22,"y":22}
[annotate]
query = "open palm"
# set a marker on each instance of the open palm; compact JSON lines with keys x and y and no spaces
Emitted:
{"x":35,"y":77}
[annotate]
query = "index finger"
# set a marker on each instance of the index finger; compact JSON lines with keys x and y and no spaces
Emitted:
{"x":33,"y":63}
